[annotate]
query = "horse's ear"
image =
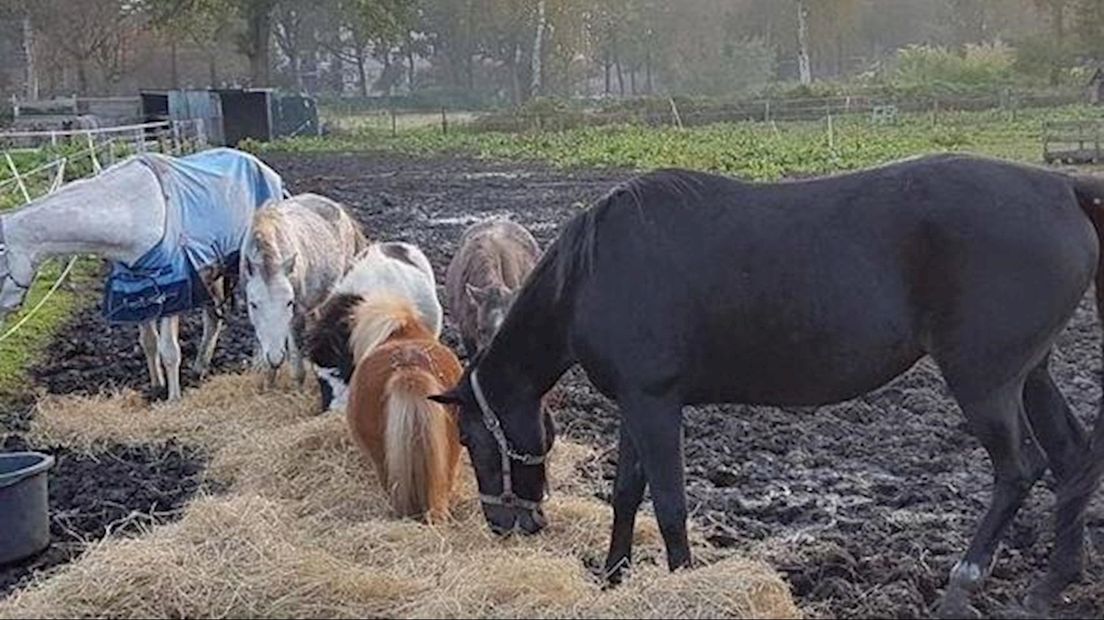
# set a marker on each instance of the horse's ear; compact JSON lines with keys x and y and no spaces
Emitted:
{"x":476,"y":294}
{"x":289,"y":263}
{"x":450,"y":397}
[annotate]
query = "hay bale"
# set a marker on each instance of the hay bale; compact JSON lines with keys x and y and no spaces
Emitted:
{"x":304,"y":530}
{"x":229,"y":557}
{"x":228,"y":407}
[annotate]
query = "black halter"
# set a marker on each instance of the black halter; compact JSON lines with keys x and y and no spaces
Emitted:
{"x":507,"y":452}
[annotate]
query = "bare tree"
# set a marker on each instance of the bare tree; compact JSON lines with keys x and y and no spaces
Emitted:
{"x":803,"y":42}
{"x":538,"y":39}
{"x":98,"y":31}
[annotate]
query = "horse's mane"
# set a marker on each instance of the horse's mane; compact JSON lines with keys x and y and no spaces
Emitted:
{"x":570,"y":258}
{"x":328,"y":338}
{"x":377,"y":318}
{"x":265,"y":238}
{"x":473,"y":269}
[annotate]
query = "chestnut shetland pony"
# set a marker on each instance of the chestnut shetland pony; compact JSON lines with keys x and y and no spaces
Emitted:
{"x":413,"y":441}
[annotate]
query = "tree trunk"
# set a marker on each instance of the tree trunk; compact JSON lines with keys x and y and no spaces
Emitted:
{"x":212,"y":70}
{"x":31,"y":87}
{"x":841,"y":62}
{"x":803,"y":43}
{"x":607,"y":65}
{"x":515,"y":74}
{"x":297,"y":69}
{"x":617,"y":63}
{"x":648,"y":84}
{"x":362,"y":74}
{"x":260,"y":31}
{"x":538,"y":44}
{"x":632,"y":80}
{"x":82,"y":77}
{"x":410,"y":69}
{"x":174,"y":70}
{"x":387,"y":81}
{"x":1058,"y":24}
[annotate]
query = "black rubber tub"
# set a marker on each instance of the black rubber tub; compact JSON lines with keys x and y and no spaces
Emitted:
{"x":24,"y":504}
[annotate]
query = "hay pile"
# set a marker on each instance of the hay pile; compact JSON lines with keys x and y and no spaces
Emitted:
{"x":304,"y":531}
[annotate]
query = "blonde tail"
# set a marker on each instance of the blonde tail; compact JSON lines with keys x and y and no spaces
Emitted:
{"x":416,"y":446}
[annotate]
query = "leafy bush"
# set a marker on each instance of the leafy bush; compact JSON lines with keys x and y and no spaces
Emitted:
{"x":922,"y":69}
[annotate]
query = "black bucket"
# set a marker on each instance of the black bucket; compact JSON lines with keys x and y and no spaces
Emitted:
{"x":24,"y":505}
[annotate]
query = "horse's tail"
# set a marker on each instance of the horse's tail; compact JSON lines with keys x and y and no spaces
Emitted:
{"x":1078,"y":491}
{"x":416,"y":445}
{"x":376,"y":318}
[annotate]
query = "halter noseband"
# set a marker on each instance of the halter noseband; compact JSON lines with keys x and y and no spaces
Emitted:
{"x":507,"y":452}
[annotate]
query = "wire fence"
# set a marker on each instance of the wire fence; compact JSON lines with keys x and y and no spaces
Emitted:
{"x":668,"y":112}
{"x":677,"y":112}
{"x":75,"y":154}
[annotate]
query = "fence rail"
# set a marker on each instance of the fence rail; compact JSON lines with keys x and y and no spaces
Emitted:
{"x":98,"y":146}
{"x":143,"y":136}
{"x":665,"y":112}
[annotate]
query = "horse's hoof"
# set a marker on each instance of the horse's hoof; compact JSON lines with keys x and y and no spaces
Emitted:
{"x":1038,"y":603}
{"x":955,"y":605}
{"x":157,"y":394}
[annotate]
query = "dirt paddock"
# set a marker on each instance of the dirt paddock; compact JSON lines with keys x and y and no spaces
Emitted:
{"x":862,"y":507}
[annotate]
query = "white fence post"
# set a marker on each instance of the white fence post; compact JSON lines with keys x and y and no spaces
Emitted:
{"x":18,"y":177}
{"x":96,"y":167}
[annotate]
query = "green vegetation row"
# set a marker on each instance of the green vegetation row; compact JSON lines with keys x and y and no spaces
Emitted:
{"x":754,"y":151}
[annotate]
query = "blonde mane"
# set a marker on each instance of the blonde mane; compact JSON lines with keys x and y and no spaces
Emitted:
{"x":377,"y":318}
{"x":265,"y":240}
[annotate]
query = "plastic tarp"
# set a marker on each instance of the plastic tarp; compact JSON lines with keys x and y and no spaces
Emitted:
{"x":210,"y":198}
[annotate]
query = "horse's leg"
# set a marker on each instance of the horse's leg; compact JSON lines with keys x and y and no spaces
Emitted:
{"x":655,"y":426}
{"x":147,"y":336}
{"x":298,"y":367}
{"x":212,"y":327}
{"x":998,"y":421}
{"x":1064,"y":440}
{"x":628,"y":491}
{"x":169,"y":347}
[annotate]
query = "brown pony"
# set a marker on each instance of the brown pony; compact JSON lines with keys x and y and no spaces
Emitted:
{"x":493,"y":261}
{"x":413,"y":441}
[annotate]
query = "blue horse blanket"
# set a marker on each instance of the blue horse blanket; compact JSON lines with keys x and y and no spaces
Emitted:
{"x":210,"y":198}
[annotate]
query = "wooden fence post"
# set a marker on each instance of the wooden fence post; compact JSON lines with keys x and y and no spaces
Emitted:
{"x":444,"y":121}
{"x":394,"y":124}
{"x":675,"y":112}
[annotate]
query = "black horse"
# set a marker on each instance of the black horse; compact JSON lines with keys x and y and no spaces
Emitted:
{"x":685,"y":288}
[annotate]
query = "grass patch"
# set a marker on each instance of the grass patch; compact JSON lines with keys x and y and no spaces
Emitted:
{"x":751,"y":150}
{"x":26,"y":346}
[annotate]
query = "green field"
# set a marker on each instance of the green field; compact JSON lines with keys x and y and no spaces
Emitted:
{"x":25,"y":345}
{"x":19,"y":350}
{"x":754,"y":151}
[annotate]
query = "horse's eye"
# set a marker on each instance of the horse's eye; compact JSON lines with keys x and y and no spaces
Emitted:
{"x":253,"y":305}
{"x":291,"y":303}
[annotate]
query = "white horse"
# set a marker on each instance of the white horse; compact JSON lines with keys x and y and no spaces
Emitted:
{"x":297,"y":250}
{"x":394,"y":268}
{"x":118,"y":215}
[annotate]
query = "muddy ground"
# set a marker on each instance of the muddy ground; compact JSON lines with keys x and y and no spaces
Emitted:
{"x":864,"y":506}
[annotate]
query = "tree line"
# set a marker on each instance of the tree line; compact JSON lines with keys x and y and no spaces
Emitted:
{"x":510,"y":51}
